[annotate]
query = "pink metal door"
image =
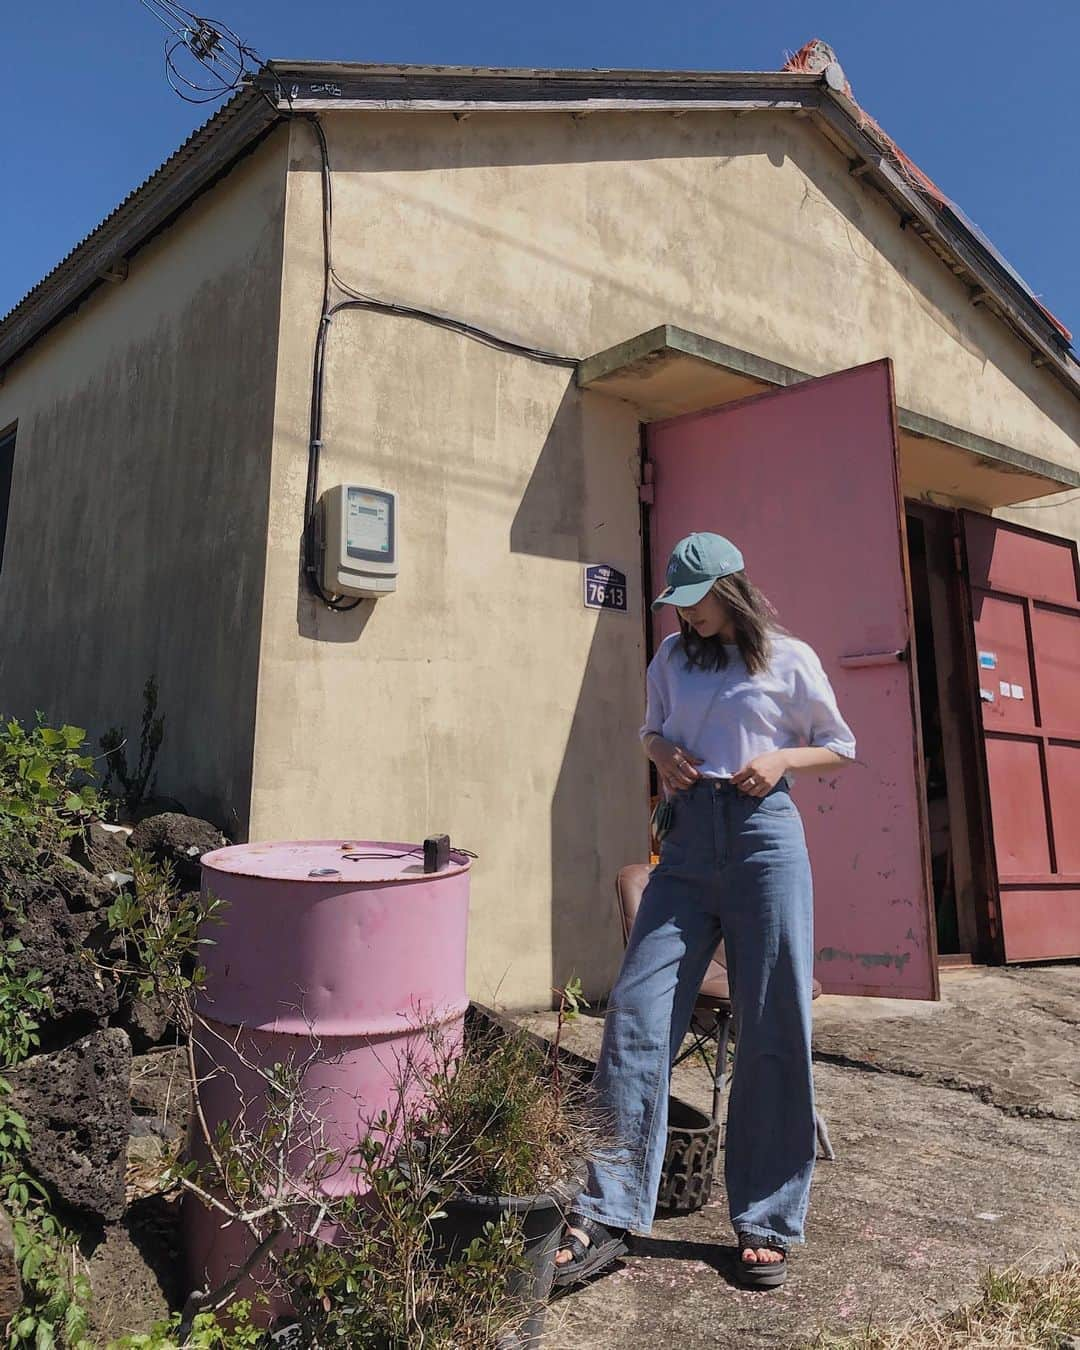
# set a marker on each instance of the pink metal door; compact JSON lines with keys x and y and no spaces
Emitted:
{"x":806,"y":482}
{"x":1025,"y":599}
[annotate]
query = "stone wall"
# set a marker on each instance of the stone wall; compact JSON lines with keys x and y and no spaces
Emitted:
{"x":105,"y":1097}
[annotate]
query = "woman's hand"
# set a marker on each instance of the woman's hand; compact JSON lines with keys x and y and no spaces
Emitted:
{"x":762,"y":774}
{"x":676,"y":767}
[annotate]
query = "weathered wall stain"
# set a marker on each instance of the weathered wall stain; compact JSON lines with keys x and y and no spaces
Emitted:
{"x":137,"y":541}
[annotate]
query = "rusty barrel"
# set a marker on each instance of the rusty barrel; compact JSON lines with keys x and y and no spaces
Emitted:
{"x":341,"y":958}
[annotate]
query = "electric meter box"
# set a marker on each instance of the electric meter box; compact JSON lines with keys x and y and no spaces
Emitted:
{"x":360,"y":556}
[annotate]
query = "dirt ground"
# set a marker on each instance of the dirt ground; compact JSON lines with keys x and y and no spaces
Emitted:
{"x":957,"y":1133}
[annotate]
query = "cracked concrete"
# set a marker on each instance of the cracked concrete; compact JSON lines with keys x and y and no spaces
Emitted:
{"x":957,"y":1132}
{"x":1007,"y":1035}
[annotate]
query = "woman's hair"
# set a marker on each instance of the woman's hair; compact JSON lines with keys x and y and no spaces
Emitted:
{"x":755,"y":625}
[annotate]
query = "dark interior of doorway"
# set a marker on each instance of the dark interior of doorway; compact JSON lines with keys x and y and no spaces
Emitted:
{"x":936,"y":774}
{"x":946,"y":696}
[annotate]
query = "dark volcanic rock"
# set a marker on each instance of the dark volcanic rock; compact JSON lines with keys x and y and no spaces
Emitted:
{"x":101,"y":850}
{"x":77,"y":1106}
{"x":63,"y":947}
{"x":180,"y":840}
{"x":83,"y":891}
{"x":147,"y":1022}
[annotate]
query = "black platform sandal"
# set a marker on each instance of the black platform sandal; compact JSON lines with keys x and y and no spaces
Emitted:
{"x":605,"y":1245}
{"x":760,"y":1274}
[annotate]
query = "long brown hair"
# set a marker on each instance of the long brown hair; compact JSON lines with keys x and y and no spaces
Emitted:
{"x":755,"y":626}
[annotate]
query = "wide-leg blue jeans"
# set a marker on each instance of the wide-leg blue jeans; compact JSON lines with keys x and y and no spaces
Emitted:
{"x":734,"y":867}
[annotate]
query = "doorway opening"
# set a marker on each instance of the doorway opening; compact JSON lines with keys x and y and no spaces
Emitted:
{"x":946,"y":693}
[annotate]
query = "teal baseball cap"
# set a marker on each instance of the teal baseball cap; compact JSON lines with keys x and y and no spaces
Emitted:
{"x":695,"y":563}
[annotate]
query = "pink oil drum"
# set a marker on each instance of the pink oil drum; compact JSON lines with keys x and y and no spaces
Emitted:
{"x":343,"y":958}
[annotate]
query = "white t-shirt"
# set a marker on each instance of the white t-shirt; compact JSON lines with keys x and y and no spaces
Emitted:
{"x":727,"y":717}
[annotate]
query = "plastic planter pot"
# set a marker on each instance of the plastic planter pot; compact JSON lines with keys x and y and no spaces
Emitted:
{"x":689,"y":1159}
{"x":541,"y":1218}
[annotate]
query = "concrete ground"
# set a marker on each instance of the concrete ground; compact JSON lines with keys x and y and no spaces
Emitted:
{"x":957,"y":1132}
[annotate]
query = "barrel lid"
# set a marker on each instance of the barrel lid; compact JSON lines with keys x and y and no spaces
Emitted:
{"x":333,"y":862}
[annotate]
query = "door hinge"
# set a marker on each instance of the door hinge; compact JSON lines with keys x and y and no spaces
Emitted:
{"x":646,"y":488}
{"x":958,"y":553}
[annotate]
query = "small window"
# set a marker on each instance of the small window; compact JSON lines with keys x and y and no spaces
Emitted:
{"x":7,"y":468}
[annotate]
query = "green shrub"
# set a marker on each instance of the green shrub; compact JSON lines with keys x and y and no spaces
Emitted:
{"x":207,"y":1332}
{"x":46,"y":792}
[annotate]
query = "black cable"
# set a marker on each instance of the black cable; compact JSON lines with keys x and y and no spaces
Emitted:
{"x":352,"y":856}
{"x":211,"y":44}
{"x":310,"y":561}
{"x":381,"y":857}
{"x":358,"y":300}
{"x":1043,"y":506}
{"x":370,"y":302}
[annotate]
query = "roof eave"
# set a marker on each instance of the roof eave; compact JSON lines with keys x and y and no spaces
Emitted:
{"x":310,"y":86}
{"x":196,"y":165}
{"x":292,"y":86}
{"x":367,"y":72}
{"x":971,"y":261}
{"x":305,"y":86}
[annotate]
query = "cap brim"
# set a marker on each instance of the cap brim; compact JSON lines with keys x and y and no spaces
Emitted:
{"x":683,"y":596}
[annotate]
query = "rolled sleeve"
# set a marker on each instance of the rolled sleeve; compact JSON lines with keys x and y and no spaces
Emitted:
{"x":822,"y":723}
{"x":656,"y":709}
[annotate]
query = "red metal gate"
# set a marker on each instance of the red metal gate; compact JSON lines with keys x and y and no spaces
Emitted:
{"x":806,"y":481}
{"x":1025,"y":598}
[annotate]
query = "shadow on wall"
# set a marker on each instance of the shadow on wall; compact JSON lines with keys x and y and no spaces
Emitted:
{"x":319,"y":624}
{"x":650,"y":143}
{"x":599,"y":806}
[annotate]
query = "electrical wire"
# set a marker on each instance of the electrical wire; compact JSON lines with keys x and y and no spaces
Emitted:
{"x":370,"y":302}
{"x":360,"y":300}
{"x":1045,"y":506}
{"x":224,"y":60}
{"x":310,"y":559}
{"x":418,"y":852}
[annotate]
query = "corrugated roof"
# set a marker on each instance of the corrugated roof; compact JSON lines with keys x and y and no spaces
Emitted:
{"x":190,"y":152}
{"x":310,"y":86}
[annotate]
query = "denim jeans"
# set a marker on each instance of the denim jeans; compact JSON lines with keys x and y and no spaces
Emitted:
{"x":735,"y":867}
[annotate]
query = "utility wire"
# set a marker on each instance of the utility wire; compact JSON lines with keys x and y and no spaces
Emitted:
{"x":216,"y":62}
{"x":360,"y":300}
{"x":1044,"y":506}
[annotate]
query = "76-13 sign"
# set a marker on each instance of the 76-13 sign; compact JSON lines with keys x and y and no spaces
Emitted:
{"x":605,"y":588}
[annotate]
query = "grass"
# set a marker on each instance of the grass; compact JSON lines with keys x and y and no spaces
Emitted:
{"x":1032,"y":1311}
{"x":508,"y":1127}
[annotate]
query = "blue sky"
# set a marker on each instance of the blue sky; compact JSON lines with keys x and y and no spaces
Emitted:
{"x":981,"y":93}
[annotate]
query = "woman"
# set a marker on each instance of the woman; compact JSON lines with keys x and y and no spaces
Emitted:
{"x":735,"y":706}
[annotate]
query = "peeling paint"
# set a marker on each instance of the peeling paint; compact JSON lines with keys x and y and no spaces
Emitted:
{"x":896,"y":959}
{"x":867,"y":959}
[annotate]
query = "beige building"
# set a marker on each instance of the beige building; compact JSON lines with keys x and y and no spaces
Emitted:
{"x":556,"y":259}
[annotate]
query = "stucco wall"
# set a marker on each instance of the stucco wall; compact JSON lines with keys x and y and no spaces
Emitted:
{"x":138,"y":511}
{"x":482,"y":698}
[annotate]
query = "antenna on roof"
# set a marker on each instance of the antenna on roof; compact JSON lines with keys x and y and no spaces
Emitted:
{"x":204,"y":59}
